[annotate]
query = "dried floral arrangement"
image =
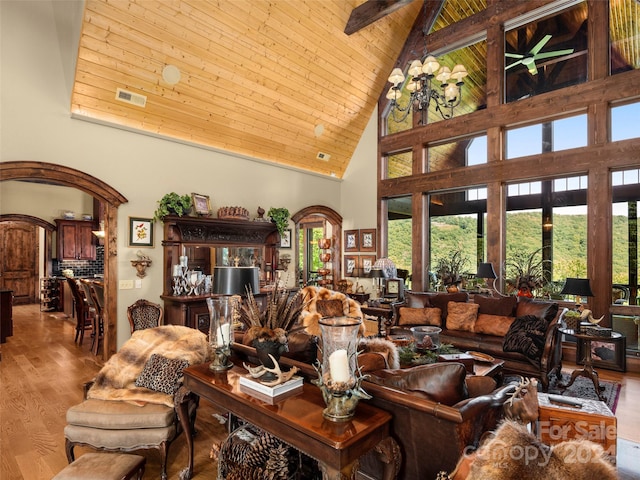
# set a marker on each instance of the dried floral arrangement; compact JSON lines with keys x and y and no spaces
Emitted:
{"x":278,"y":318}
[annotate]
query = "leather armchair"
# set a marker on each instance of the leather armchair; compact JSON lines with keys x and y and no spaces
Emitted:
{"x":439,"y":414}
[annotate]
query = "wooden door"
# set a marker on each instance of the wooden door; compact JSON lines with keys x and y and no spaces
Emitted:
{"x":85,"y":245}
{"x":19,"y":260}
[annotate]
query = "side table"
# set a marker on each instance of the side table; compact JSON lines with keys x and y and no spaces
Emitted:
{"x":383,"y":313}
{"x":587,"y":371}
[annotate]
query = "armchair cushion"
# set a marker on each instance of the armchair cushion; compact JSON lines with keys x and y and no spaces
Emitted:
{"x":162,"y":374}
{"x":116,"y":415}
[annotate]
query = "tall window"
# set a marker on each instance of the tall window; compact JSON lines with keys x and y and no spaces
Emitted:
{"x":457,"y":224}
{"x":624,"y":121}
{"x":399,"y":222}
{"x":552,"y":136}
{"x":626,"y":193}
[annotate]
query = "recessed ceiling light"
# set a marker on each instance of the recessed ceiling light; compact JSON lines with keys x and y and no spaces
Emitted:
{"x":171,"y":74}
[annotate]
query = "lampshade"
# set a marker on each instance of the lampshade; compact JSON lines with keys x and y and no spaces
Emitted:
{"x":387,"y":266}
{"x":577,"y":286}
{"x":235,"y":280}
{"x":485,"y":270}
{"x":376,"y":273}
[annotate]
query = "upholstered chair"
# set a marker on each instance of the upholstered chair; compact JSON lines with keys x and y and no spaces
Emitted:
{"x":136,"y":401}
{"x":144,"y":314}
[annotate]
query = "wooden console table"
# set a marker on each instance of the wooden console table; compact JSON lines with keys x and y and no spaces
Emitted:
{"x":297,"y":420}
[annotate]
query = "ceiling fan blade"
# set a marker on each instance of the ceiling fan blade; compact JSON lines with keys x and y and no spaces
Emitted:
{"x":533,"y":70}
{"x":557,"y":53}
{"x":513,"y":55}
{"x":513,"y":64}
{"x":540,"y":45}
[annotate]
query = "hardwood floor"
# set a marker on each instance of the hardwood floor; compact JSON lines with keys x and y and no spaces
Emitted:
{"x":41,"y":376}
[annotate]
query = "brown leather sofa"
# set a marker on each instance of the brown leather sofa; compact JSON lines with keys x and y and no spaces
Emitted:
{"x":439,"y":414}
{"x":483,"y":324}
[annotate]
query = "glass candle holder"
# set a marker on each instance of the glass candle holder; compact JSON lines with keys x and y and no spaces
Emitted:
{"x":221,"y":310}
{"x":339,"y":378}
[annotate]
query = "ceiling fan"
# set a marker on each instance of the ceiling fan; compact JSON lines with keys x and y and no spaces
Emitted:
{"x":529,"y":59}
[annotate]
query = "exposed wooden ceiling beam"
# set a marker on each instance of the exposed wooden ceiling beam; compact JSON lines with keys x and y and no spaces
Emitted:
{"x":371,"y":11}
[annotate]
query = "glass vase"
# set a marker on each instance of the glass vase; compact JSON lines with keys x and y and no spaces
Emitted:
{"x":221,"y":310}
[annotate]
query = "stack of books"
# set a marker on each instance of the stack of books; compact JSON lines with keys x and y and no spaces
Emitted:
{"x":271,"y":395}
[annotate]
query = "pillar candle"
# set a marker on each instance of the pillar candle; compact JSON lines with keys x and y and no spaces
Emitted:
{"x":339,"y":366}
{"x":223,"y":334}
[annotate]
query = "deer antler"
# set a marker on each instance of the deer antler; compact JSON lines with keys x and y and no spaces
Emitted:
{"x":281,"y":377}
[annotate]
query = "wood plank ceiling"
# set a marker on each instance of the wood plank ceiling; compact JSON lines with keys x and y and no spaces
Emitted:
{"x":275,"y":80}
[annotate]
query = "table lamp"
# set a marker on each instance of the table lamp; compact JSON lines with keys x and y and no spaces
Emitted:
{"x":580,"y":287}
{"x":377,"y":274}
{"x":486,"y":271}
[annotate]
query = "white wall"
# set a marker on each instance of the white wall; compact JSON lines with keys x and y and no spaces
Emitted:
{"x":35,"y":125}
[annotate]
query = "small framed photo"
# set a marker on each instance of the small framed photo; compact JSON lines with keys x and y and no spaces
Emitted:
{"x":368,"y":240}
{"x":285,"y":239}
{"x":351,"y":240}
{"x":350,"y":265}
{"x":366,"y":263}
{"x":201,"y":204}
{"x":140,"y":232}
{"x":609,"y":354}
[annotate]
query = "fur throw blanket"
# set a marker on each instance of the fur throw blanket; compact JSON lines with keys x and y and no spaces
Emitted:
{"x":513,"y":453}
{"x":382,"y":347}
{"x":116,"y":380}
{"x":317,"y":308}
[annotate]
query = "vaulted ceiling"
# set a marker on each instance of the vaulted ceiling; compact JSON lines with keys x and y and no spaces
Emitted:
{"x":279,"y":80}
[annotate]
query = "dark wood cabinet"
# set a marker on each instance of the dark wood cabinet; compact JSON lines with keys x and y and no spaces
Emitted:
{"x":76,"y":240}
{"x":210,"y":242}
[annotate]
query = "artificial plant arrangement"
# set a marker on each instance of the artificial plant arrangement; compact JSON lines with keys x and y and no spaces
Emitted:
{"x":279,"y":216}
{"x":278,"y":319}
{"x":449,"y":269}
{"x":526,"y":271}
{"x":172,"y":203}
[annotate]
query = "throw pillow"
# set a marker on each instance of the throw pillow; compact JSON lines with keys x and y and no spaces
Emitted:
{"x":526,"y":335}
{"x":462,"y":316}
{"x":493,"y":324}
{"x":441,"y":300}
{"x":162,"y":374}
{"x":330,"y":308}
{"x":546,"y":310}
{"x":419,"y":316}
{"x":504,"y":306}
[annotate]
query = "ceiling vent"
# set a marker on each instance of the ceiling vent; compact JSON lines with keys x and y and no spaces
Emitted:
{"x":130,"y":97}
{"x":323,"y":156}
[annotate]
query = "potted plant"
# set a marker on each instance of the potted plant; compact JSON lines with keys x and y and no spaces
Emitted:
{"x":527,"y":272}
{"x":449,"y":270}
{"x":279,"y":216}
{"x":172,"y":203}
{"x":267,"y":330}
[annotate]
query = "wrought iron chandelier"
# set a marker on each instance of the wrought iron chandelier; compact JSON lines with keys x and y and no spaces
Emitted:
{"x":423,"y":89}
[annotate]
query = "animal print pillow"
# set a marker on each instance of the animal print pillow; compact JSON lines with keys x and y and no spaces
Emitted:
{"x":162,"y":374}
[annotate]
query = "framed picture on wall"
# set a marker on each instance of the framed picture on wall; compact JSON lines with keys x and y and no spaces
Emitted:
{"x":351,"y":241}
{"x":285,"y":239}
{"x":201,"y":204}
{"x":140,"y":232}
{"x":368,"y":240}
{"x":366,"y":263}
{"x":350,"y":265}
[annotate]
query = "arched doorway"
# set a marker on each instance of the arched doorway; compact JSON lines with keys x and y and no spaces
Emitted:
{"x":111,"y":199}
{"x":330,"y":223}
